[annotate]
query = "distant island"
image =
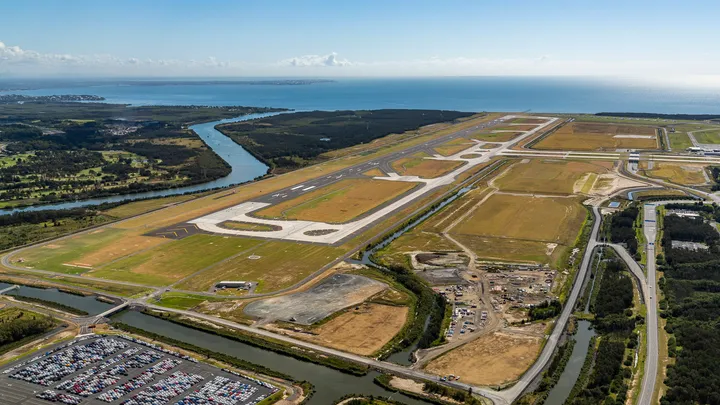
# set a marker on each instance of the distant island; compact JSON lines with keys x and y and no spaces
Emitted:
{"x":284,"y":82}
{"x":21,"y":85}
{"x":62,"y":98}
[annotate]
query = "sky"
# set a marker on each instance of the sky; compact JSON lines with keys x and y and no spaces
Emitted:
{"x":348,"y":38}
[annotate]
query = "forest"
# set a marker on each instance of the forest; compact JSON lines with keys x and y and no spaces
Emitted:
{"x":622,"y":228}
{"x":17,"y":325}
{"x":691,"y":306}
{"x":84,"y":150}
{"x":606,"y":381}
{"x":694,"y":117}
{"x":545,"y":310}
{"x":290,"y":141}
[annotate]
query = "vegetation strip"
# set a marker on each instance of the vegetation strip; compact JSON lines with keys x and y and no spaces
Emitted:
{"x":268,"y":344}
{"x":51,"y":304}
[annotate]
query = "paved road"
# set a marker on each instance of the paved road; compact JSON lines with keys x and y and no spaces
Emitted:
{"x":651,"y":361}
{"x":514,"y":392}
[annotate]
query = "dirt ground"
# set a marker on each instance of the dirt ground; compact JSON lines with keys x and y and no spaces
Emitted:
{"x":307,"y":307}
{"x":339,"y":202}
{"x":493,"y":359}
{"x":599,"y":137}
{"x":363,"y":331}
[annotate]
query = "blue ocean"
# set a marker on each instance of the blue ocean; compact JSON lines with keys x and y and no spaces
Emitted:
{"x":466,"y":94}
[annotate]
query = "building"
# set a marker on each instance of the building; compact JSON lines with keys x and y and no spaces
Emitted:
{"x":245,"y":285}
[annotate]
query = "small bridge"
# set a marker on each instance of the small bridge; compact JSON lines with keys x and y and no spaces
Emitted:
{"x":111,"y":311}
{"x":7,"y":290}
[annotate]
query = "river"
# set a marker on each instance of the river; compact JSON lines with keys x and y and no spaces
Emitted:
{"x":330,"y":384}
{"x":88,"y":304}
{"x":244,"y":168}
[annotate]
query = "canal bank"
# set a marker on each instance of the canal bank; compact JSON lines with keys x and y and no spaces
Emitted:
{"x":329,"y":384}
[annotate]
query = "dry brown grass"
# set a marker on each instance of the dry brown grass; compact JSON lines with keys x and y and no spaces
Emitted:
{"x":520,"y":127}
{"x":454,"y":146}
{"x":685,"y":174}
{"x":512,"y":250}
{"x":493,"y":359}
{"x":339,"y":202}
{"x":114,"y":251}
{"x":417,"y":165}
{"x":598,"y":137}
{"x":496,"y":136}
{"x":361,"y":331}
{"x":375,"y":173}
{"x":528,"y":121}
{"x":524,"y":217}
{"x":548,"y":176}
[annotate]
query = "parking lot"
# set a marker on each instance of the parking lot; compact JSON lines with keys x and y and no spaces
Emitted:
{"x":121,"y":370}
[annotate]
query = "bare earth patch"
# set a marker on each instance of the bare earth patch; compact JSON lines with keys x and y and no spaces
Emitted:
{"x":493,"y":359}
{"x":361,"y":331}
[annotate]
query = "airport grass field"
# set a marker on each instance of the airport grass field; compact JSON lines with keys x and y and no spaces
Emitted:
{"x":550,"y":176}
{"x":542,"y":219}
{"x":496,"y":136}
{"x":417,"y":165}
{"x":171,"y":262}
{"x":594,"y":136}
{"x":686,"y":174}
{"x":708,"y":137}
{"x":452,"y":147}
{"x":273,"y":264}
{"x":339,"y":202}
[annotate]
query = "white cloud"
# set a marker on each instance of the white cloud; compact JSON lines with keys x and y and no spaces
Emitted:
{"x":16,"y":60}
{"x":330,"y":59}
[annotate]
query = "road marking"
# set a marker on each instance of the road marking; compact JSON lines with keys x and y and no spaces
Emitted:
{"x":309,"y":188}
{"x":297,"y":187}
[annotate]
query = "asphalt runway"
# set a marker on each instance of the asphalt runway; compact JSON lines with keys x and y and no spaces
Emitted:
{"x":14,"y":391}
{"x":356,"y":171}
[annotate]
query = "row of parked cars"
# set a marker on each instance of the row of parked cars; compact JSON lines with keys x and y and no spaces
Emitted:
{"x":52,"y":396}
{"x":158,"y":348}
{"x":222,"y":391}
{"x":164,"y":390}
{"x":98,"y":378}
{"x":139,"y":381}
{"x":60,"y":365}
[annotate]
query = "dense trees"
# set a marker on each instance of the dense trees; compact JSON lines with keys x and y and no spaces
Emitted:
{"x":68,"y":161}
{"x":292,"y":140}
{"x":16,"y":325}
{"x":691,"y":285}
{"x":622,"y":228}
{"x":545,"y":310}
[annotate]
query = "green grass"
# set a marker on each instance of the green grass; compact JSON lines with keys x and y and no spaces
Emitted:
{"x":679,"y":141}
{"x":708,"y":137}
{"x":52,"y":256}
{"x":183,"y":301}
{"x":139,"y":207}
{"x":172,"y":261}
{"x":278,"y":265}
